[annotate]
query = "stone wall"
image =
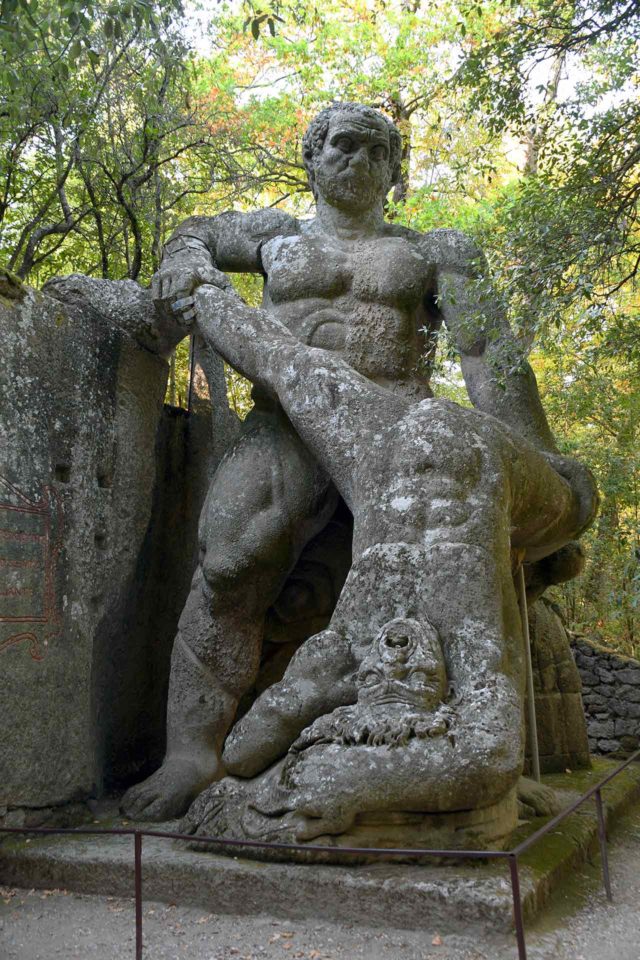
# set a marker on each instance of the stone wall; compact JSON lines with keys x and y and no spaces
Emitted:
{"x":611,"y":696}
{"x":100,"y":492}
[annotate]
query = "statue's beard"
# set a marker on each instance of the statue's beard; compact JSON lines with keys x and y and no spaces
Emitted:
{"x":354,"y":189}
{"x":376,"y":729}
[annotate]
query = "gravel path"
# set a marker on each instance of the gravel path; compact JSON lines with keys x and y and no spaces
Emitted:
{"x":43,"y":925}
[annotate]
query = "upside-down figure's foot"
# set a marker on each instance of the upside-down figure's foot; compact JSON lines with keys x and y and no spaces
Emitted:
{"x":170,"y":790}
{"x":536,"y":800}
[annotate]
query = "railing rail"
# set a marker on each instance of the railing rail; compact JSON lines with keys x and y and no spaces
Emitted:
{"x":379,"y":852}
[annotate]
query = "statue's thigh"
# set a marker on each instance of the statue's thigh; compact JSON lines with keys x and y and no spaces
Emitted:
{"x":268,"y":498}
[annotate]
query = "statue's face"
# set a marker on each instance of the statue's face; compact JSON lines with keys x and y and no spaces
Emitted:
{"x":352,"y":170}
{"x":405,"y":666}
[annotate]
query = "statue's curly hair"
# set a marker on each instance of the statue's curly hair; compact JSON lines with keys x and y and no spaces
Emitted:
{"x":316,"y":134}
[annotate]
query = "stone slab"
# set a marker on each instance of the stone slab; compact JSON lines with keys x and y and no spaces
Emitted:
{"x":383,"y":894}
{"x":100,"y":491}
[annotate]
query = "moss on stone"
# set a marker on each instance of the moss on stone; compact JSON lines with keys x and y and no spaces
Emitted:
{"x":575,"y":839}
{"x":12,"y":289}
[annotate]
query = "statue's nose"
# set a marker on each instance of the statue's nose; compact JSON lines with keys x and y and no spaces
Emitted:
{"x":397,"y":642}
{"x":360,"y":159}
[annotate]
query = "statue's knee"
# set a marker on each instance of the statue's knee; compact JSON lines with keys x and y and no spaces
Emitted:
{"x":325,"y":657}
{"x":223,"y":580}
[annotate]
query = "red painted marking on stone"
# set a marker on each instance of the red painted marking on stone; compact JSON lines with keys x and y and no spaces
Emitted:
{"x":35,"y":651}
{"x":47,"y":508}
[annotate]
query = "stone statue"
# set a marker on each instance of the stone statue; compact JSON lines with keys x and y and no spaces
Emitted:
{"x":441,"y":496}
{"x":340,"y":357}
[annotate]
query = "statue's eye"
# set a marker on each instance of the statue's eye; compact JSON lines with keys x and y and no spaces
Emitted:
{"x":369,"y":679}
{"x":344,"y":144}
{"x":379,"y":153}
{"x":418,"y":679}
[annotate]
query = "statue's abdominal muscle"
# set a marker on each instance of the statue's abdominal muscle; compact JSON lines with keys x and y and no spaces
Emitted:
{"x":359,"y":299}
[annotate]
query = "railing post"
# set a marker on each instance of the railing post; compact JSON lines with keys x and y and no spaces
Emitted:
{"x":137,"y":848}
{"x":517,"y":907}
{"x":602,"y":836}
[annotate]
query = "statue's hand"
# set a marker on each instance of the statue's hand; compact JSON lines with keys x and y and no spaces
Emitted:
{"x":581,"y":481}
{"x":173,"y":286}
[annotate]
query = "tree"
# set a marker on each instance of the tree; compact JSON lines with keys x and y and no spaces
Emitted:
{"x":94,"y":126}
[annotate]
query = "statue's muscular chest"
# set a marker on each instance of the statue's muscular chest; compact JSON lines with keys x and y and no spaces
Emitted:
{"x":359,"y":298}
{"x":384,"y":270}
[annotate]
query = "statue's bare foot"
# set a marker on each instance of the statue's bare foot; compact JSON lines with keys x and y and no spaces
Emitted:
{"x":536,"y":800}
{"x":170,"y":790}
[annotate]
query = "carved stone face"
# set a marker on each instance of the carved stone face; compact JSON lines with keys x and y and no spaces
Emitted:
{"x":405,"y":665}
{"x":352,"y":171}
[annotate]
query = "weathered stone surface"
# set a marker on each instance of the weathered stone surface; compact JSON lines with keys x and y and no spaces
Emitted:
{"x":628,"y":675}
{"x":606,"y":700}
{"x":585,"y":649}
{"x":587,"y":678}
{"x":381,"y":895}
{"x":444,"y":501}
{"x":601,"y":728}
{"x":403,"y":558}
{"x":628,"y":727}
{"x":606,"y":676}
{"x":90,"y":585}
{"x":562,"y":732}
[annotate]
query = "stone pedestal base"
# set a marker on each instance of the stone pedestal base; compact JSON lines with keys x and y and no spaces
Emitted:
{"x":383,"y":894}
{"x":464,"y":829}
{"x":487,"y":829}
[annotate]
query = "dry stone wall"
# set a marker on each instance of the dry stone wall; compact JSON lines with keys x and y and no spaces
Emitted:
{"x":611,"y":696}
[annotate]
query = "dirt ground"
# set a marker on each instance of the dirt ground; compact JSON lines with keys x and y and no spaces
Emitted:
{"x":43,"y":925}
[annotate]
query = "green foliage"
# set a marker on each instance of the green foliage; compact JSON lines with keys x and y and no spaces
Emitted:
{"x":521,"y":126}
{"x":95,"y":121}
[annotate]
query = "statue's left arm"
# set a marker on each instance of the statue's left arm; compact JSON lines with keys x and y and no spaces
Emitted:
{"x":498,"y":378}
{"x":497,"y":375}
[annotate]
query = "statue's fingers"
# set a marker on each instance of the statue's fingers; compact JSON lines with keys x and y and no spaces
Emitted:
{"x":183,"y":304}
{"x":206,"y":273}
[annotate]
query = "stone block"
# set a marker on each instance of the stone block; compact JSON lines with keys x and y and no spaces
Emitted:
{"x":619,"y":708}
{"x":630,"y":744}
{"x":628,"y":692}
{"x":80,"y":651}
{"x":594,"y":700}
{"x":595,"y":709}
{"x":604,"y":674}
{"x":608,"y":746}
{"x":629,"y":675}
{"x":587,"y":677}
{"x":585,"y":649}
{"x":601,"y":728}
{"x":626,"y":727}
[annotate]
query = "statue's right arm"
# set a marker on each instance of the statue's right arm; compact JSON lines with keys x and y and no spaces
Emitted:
{"x":202,"y":249}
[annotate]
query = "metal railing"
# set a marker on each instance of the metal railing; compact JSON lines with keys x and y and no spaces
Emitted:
{"x":378,"y":852}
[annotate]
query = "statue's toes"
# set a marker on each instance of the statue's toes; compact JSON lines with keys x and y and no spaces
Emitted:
{"x":148,"y":802}
{"x":200,"y":814}
{"x":314,"y":822}
{"x":137,"y":799}
{"x":536,"y":798}
{"x":168,"y":793}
